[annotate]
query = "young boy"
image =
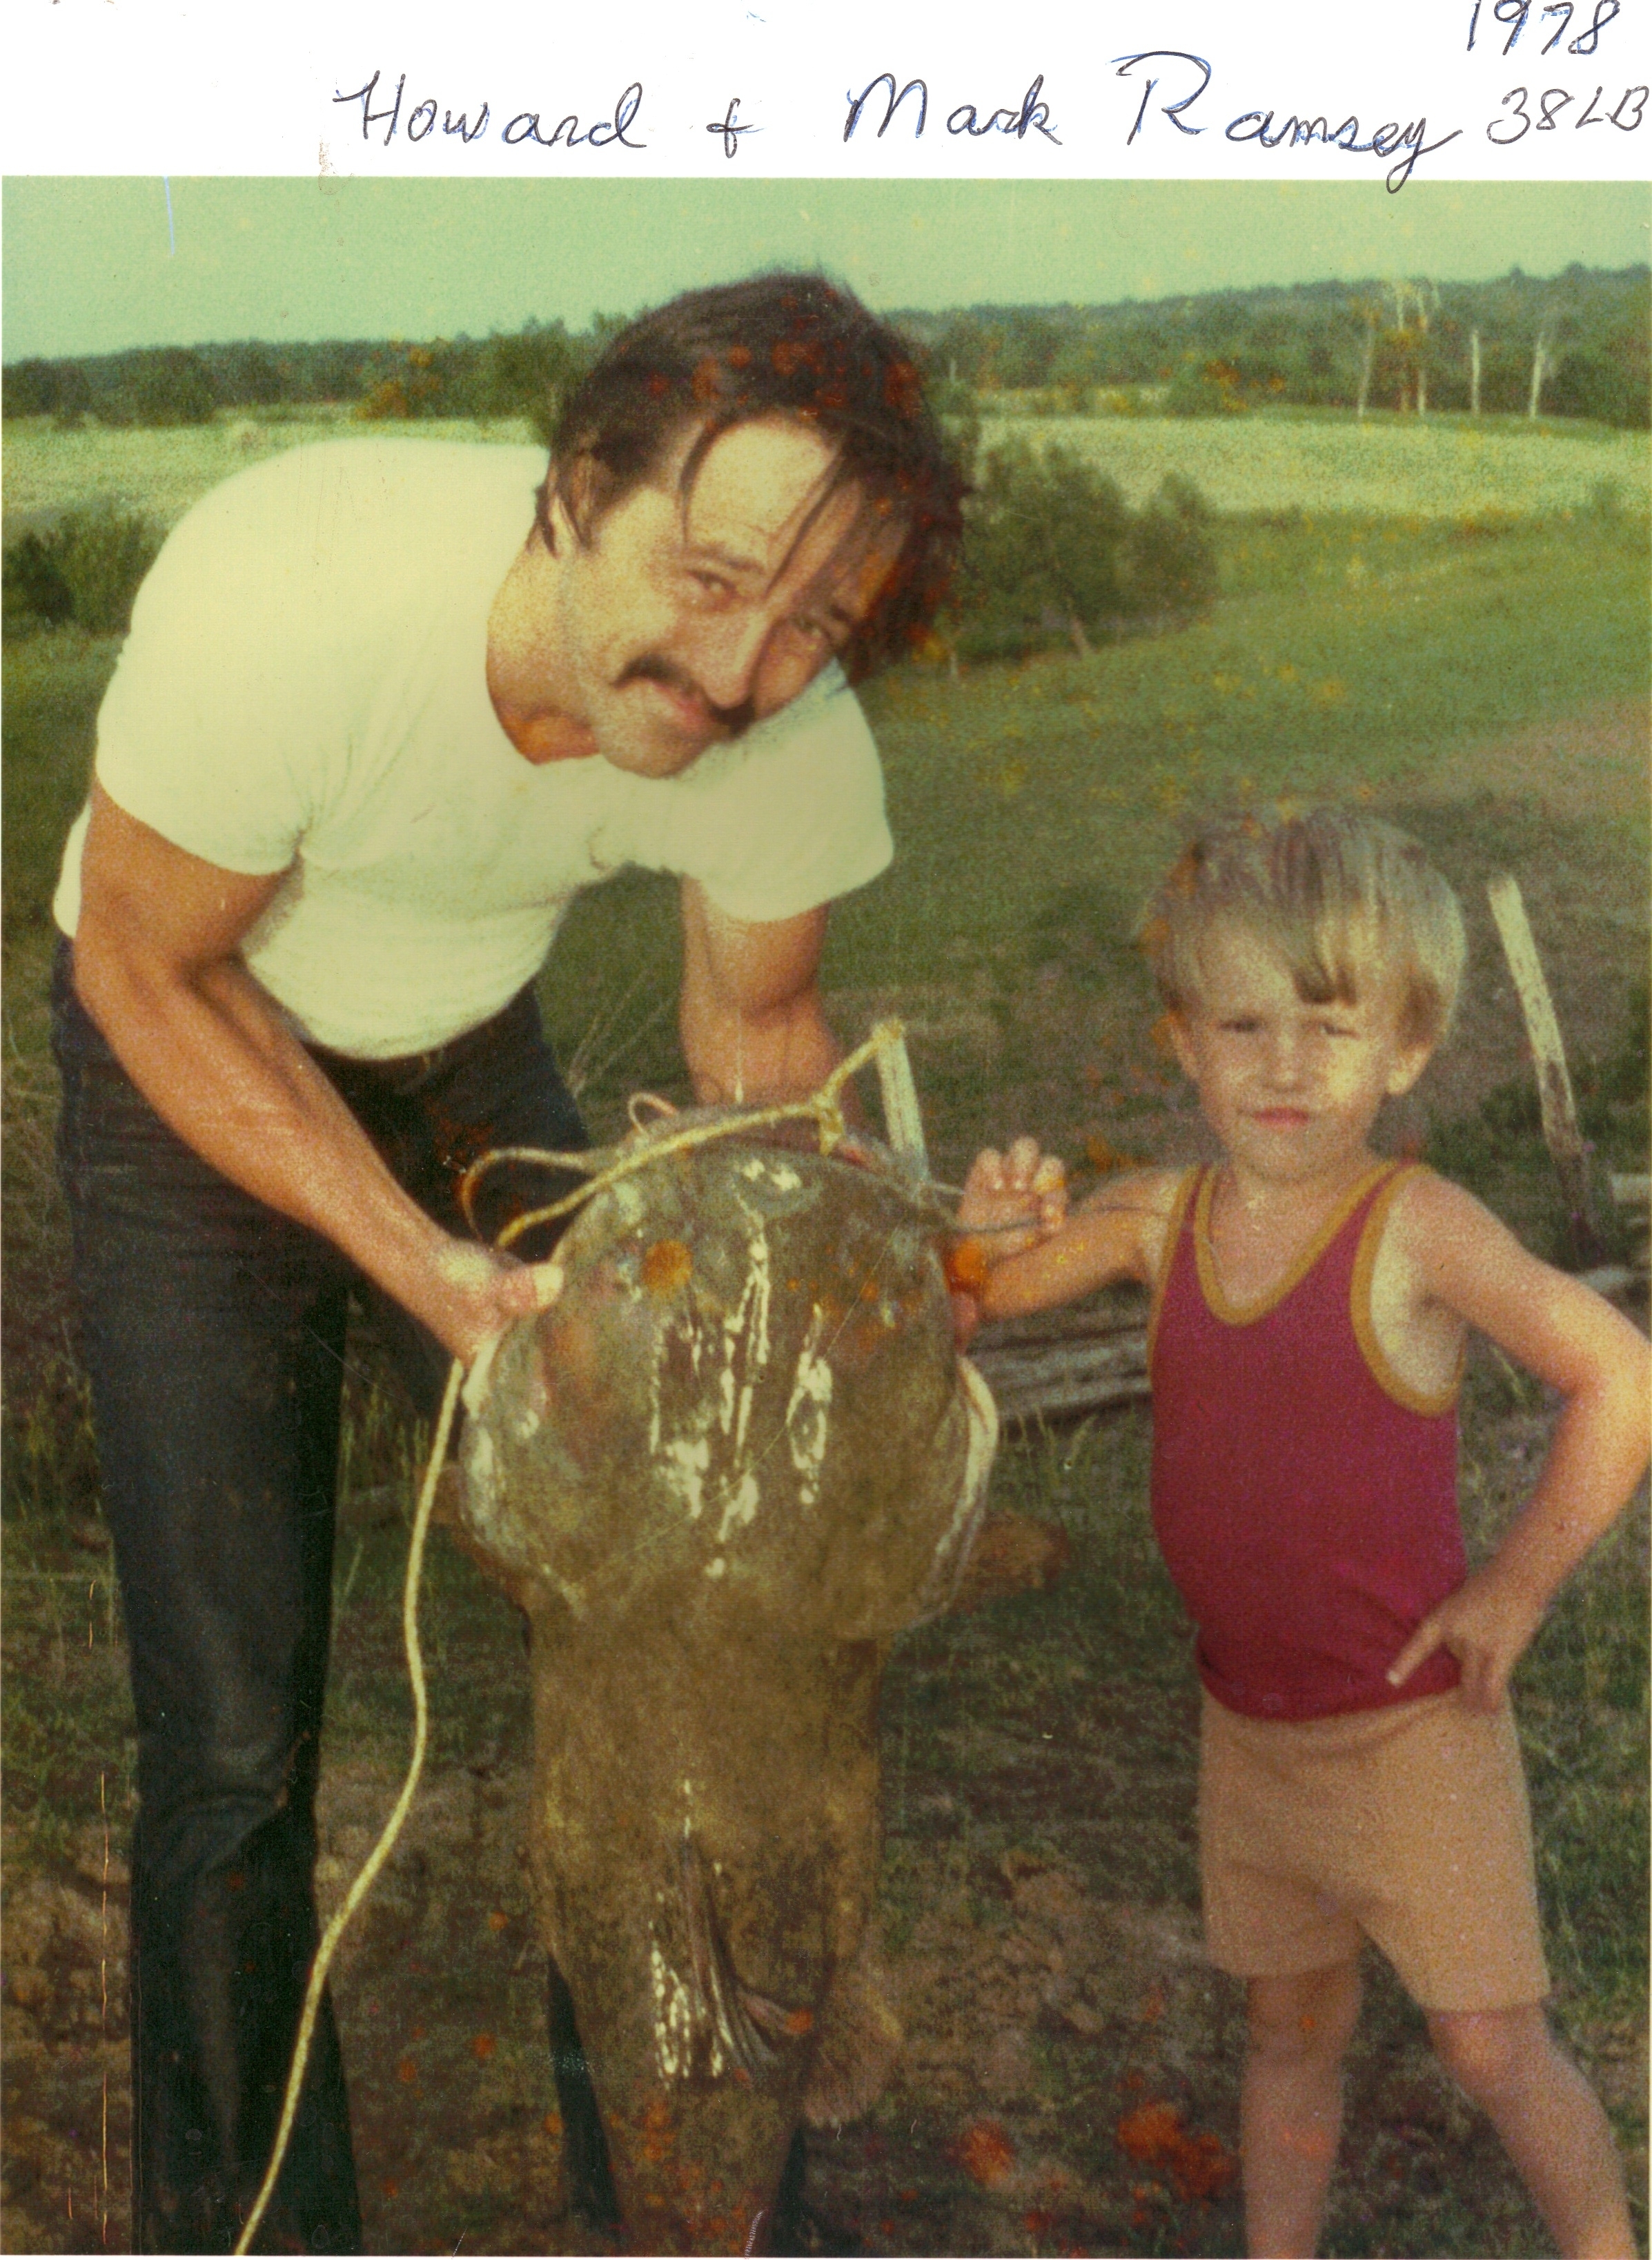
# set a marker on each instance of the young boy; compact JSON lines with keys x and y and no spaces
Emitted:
{"x":1360,"y":1773}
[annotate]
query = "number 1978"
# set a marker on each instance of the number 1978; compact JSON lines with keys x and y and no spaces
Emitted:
{"x":1517,"y":12}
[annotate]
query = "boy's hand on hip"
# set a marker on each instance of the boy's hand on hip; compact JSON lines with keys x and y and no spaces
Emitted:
{"x":1487,"y":1624}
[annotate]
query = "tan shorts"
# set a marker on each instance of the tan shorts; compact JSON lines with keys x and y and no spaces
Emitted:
{"x":1408,"y":1826}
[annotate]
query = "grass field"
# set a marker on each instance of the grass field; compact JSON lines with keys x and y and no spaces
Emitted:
{"x":1438,"y":467}
{"x":1443,"y":467}
{"x":1485,"y":682}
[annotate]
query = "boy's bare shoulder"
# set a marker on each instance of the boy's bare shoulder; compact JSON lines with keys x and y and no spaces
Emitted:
{"x":1434,"y":1219}
{"x":1454,"y":1254}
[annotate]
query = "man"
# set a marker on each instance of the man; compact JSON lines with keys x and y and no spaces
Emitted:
{"x":365,"y":741}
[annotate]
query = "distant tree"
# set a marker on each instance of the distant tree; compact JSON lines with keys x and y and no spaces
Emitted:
{"x":528,"y":374}
{"x":1608,"y":381}
{"x":1030,"y":342}
{"x":172,"y":386}
{"x":1204,"y":388}
{"x":31,"y":389}
{"x":252,"y":377}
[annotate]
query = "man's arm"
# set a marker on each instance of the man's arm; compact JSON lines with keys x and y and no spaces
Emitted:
{"x":157,"y":966}
{"x":750,"y":1015}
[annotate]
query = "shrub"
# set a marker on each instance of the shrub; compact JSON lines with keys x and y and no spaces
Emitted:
{"x":1042,"y":549}
{"x":529,"y":373}
{"x":88,"y":569}
{"x":36,"y":594}
{"x":1171,"y":565}
{"x":1053,"y":548}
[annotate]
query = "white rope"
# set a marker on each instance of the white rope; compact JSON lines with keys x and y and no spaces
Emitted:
{"x":392,"y":1829}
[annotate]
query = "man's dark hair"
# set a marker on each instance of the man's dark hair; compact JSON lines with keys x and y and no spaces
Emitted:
{"x":778,"y":345}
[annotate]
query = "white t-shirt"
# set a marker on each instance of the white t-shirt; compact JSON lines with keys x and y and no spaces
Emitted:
{"x":305,"y":689}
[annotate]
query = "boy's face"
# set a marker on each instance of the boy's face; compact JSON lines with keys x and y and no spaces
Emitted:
{"x":1290,"y":1089}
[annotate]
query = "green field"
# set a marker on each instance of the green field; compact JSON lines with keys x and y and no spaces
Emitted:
{"x":1477,"y":666}
{"x":1438,"y":466}
{"x":1442,"y":468}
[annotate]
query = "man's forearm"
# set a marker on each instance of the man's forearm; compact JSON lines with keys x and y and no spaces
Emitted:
{"x":737,"y":1058}
{"x":213,"y":1056}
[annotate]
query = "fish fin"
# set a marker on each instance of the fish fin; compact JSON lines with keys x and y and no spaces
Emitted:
{"x":722,"y":2001}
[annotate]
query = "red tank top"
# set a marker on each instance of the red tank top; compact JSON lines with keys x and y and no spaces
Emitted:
{"x":1305,"y":1500}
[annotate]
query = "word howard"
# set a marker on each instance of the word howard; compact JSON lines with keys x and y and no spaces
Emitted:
{"x":525,"y":127}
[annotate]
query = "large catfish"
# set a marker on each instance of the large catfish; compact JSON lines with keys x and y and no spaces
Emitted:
{"x":735,"y":1458}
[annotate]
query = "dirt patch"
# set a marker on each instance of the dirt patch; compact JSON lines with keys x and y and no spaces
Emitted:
{"x":1580,"y":765}
{"x":1069,"y":2084}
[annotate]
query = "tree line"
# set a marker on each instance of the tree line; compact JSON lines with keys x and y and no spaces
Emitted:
{"x":1572,"y":345}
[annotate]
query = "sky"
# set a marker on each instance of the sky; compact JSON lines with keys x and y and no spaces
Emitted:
{"x":91,"y":266}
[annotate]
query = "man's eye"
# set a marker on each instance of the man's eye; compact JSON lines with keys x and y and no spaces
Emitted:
{"x":709,"y":583}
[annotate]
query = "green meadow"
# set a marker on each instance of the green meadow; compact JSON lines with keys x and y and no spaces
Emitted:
{"x":1276,"y":460}
{"x":1449,"y":625}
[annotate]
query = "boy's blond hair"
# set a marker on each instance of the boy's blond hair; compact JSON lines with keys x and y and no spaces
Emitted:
{"x":1348,"y":901}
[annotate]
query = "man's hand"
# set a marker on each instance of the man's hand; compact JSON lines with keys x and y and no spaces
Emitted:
{"x":1487,"y":1624}
{"x":477,"y":1293}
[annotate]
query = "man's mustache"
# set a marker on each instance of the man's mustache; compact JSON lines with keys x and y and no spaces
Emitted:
{"x":730,"y":721}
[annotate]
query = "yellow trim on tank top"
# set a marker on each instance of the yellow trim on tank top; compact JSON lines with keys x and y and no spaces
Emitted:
{"x":1235,"y":1314}
{"x":1391,"y":1384}
{"x":1172,"y":1239}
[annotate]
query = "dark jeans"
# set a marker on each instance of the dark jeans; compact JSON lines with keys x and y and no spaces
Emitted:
{"x":213,"y":1332}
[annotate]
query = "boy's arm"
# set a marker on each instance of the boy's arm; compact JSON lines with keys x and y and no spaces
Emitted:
{"x":1571,"y":1338}
{"x":1115,"y":1234}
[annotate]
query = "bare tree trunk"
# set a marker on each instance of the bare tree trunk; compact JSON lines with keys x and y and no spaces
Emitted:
{"x":1474,"y":372}
{"x":1562,"y":1134}
{"x":1539,"y":370}
{"x":1368,"y":364}
{"x":1081,"y":641}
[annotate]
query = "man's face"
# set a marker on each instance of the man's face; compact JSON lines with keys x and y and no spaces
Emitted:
{"x":686,"y":618}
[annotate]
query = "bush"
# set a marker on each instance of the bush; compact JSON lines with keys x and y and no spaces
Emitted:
{"x":88,"y":569}
{"x":1041,"y":554}
{"x":36,"y":594}
{"x":1170,"y":563}
{"x":529,"y":373}
{"x":1052,"y":549}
